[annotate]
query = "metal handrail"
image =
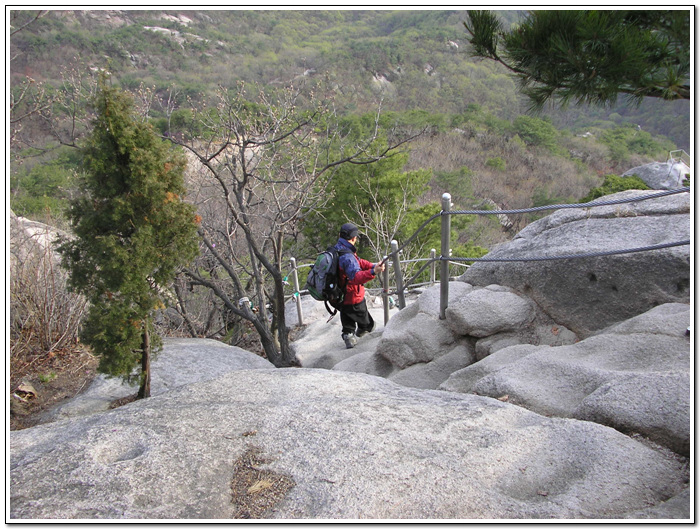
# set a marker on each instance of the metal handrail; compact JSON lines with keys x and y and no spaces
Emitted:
{"x":445,"y":258}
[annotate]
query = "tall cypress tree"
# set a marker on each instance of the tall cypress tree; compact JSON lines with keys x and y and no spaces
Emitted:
{"x":133,"y":230}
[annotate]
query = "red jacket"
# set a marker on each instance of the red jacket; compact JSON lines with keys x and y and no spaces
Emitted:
{"x":354,"y":273}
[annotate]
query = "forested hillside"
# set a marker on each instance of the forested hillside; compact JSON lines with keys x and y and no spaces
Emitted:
{"x":414,"y":65}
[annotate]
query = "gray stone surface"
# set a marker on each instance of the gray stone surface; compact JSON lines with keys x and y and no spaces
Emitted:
{"x":539,"y":334}
{"x":368,"y":362}
{"x":357,"y":447}
{"x":491,"y":344}
{"x":430,"y":375}
{"x":182,"y":361}
{"x":530,"y":423}
{"x":490,"y":310}
{"x":589,"y":294}
{"x":661,"y":175}
{"x":413,"y":337}
{"x":634,"y":377}
{"x":28,"y":237}
{"x":429,"y":300}
{"x":311,"y":309}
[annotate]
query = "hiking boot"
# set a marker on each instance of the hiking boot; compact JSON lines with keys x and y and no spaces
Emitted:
{"x":350,"y":340}
{"x":361,"y":333}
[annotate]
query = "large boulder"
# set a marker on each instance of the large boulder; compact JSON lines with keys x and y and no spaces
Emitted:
{"x":661,"y":175}
{"x":38,"y":281}
{"x":413,"y":337}
{"x":488,"y":311}
{"x":311,"y":310}
{"x":31,"y":239}
{"x":429,"y":375}
{"x":416,"y":334}
{"x":418,"y":349}
{"x":318,"y":444}
{"x":588,"y":294}
{"x":634,"y":376}
{"x":182,"y":361}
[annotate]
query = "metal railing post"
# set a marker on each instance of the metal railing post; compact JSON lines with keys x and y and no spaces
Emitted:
{"x":433,"y":253}
{"x":445,"y":227}
{"x":385,"y":291}
{"x":398,"y":275}
{"x":295,"y":284}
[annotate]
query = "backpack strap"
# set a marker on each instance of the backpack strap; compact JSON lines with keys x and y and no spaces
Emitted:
{"x":343,"y":251}
{"x":331,"y":312}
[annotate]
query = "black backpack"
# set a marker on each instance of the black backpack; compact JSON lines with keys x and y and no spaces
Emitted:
{"x":323,"y":282}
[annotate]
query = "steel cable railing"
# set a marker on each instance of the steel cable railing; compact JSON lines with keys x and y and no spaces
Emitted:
{"x":585,"y":205}
{"x":569,"y":256}
{"x":445,"y":258}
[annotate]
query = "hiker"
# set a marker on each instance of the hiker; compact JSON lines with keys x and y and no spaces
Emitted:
{"x":354,"y":273}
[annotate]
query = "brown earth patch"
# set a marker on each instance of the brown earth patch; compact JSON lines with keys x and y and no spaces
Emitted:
{"x":44,"y":381}
{"x":255,"y":490}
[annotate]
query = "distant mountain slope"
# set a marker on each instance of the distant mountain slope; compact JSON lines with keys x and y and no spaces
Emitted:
{"x":411,"y":59}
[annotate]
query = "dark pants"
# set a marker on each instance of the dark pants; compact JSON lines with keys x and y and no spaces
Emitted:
{"x":356,"y":317}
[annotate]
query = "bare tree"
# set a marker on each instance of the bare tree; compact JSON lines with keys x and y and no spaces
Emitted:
{"x":43,"y":119}
{"x":28,"y":98}
{"x":261,"y":163}
{"x":384,"y":217}
{"x":45,"y":317}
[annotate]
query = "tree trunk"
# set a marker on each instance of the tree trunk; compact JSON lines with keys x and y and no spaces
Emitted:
{"x":268,"y":343}
{"x":145,"y":389}
{"x":288,"y":356}
{"x":183,"y":310}
{"x":276,"y":344}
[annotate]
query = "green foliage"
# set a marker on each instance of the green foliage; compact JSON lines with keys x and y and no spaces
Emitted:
{"x":497,"y":163}
{"x":614,"y":184}
{"x":536,"y":131}
{"x":631,"y":139}
{"x":361,"y":187}
{"x":386,"y":200}
{"x":497,"y":125}
{"x":45,"y":378}
{"x":590,"y":56}
{"x":416,"y":120}
{"x":274,"y":46}
{"x":458,"y":183}
{"x":466,"y":249}
{"x":114,"y":329}
{"x":379,"y":193}
{"x":543,"y":197}
{"x":44,"y":189}
{"x":132,"y":229}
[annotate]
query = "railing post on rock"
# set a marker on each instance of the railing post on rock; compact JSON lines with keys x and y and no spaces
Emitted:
{"x":445,"y":227}
{"x":385,"y":291}
{"x":398,"y":275}
{"x":295,"y":284}
{"x":433,"y":254}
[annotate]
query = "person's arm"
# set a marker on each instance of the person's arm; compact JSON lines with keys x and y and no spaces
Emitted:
{"x":376,"y":268}
{"x":358,"y":271}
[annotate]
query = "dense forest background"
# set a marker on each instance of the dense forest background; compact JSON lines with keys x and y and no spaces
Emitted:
{"x":482,"y":146}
